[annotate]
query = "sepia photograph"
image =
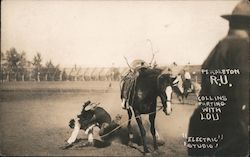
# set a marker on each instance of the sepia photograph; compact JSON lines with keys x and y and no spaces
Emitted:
{"x":164,"y":78}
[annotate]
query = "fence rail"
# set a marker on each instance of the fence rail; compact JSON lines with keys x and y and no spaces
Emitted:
{"x":66,"y":74}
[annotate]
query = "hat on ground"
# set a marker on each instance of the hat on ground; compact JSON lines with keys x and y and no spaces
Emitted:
{"x":242,"y":10}
{"x":90,"y":106}
{"x":86,"y":103}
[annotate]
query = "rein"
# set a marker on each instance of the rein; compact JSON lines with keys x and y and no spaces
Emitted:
{"x":125,"y":122}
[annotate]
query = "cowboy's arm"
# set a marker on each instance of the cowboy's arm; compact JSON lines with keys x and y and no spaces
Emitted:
{"x":92,"y":120}
{"x":74,"y":133}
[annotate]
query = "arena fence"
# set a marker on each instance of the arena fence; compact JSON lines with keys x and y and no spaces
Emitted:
{"x":77,"y":74}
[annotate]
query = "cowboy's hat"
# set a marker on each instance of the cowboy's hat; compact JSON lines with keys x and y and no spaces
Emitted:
{"x":242,"y":10}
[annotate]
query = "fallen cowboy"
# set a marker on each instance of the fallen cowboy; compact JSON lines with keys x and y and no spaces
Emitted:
{"x":91,"y":116}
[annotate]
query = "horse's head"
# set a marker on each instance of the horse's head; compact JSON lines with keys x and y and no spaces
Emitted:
{"x":165,"y":80}
{"x":165,"y":83}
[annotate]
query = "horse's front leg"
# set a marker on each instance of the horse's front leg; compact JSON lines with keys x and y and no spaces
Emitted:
{"x":163,"y":97}
{"x":152,"y":129}
{"x":166,"y":100}
{"x":142,"y":130}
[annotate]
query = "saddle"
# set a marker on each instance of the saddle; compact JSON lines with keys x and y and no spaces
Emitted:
{"x":128,"y":84}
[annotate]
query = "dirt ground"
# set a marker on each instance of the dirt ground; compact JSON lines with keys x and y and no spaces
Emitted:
{"x":36,"y":122}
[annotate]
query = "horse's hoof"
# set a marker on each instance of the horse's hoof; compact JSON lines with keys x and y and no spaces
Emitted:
{"x":160,"y":142}
{"x":167,"y":113}
{"x":159,"y":153}
{"x":132,"y":145}
{"x":148,"y":154}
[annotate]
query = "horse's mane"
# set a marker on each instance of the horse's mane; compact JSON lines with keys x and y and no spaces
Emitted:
{"x":152,"y":72}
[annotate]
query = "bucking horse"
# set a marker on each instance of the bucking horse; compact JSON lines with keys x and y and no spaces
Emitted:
{"x":139,"y":92}
{"x":183,"y":88}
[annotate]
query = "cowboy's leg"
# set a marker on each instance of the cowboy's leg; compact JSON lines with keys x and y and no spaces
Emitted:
{"x":89,"y":132}
{"x":103,"y":128}
{"x":91,"y":137}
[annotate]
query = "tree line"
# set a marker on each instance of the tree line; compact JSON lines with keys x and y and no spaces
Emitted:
{"x":16,"y":67}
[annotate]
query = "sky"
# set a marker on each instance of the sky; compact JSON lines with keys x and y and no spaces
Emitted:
{"x":102,"y":33}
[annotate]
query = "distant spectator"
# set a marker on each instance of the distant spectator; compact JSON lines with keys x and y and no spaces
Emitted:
{"x":187,"y":84}
{"x":187,"y":75}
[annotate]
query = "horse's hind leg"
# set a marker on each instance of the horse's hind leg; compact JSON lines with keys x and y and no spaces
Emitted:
{"x":152,"y":129}
{"x":129,"y":124}
{"x":143,"y":132}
